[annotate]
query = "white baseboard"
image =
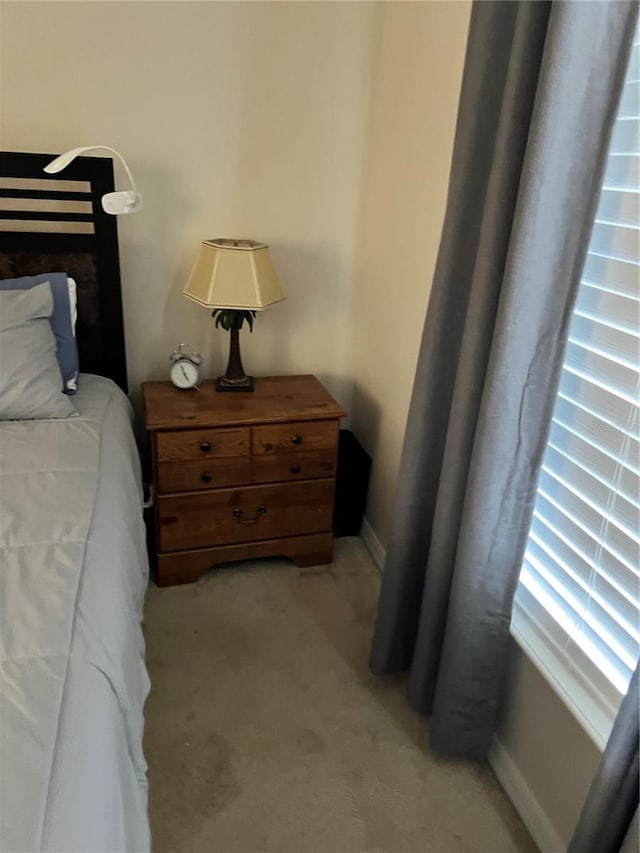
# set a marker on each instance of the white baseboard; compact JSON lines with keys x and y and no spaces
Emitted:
{"x":542,"y":831}
{"x":373,"y":544}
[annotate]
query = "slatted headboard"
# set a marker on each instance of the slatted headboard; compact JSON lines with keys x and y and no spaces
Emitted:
{"x":55,"y":223}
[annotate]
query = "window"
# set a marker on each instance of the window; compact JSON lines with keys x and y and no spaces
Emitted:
{"x":577,"y":605}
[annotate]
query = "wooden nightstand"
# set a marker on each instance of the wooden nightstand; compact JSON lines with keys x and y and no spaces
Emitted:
{"x":238,"y":476}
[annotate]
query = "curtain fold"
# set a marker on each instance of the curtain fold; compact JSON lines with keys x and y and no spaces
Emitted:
{"x":608,"y":822}
{"x":539,"y":95}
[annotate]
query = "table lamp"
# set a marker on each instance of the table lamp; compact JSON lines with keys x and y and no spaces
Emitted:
{"x":236,"y":278}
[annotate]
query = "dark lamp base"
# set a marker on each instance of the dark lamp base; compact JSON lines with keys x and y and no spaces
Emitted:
{"x":244,"y":384}
{"x":235,"y":379}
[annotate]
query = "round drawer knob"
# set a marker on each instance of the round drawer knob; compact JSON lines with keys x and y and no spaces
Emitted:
{"x":295,"y":469}
{"x":205,"y":447}
{"x":297,"y":439}
{"x":206,"y":477}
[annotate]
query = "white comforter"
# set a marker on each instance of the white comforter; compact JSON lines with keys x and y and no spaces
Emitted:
{"x":73,"y":572}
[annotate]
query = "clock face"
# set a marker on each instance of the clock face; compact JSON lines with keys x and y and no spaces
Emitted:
{"x":184,"y":374}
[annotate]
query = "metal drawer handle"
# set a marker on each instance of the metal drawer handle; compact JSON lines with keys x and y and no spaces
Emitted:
{"x":239,"y":515}
{"x":206,"y":477}
{"x":297,"y":439}
{"x":205,"y":447}
{"x":295,"y":469}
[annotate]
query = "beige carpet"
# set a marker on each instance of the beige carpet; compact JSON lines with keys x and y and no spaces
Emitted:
{"x":266,"y":731}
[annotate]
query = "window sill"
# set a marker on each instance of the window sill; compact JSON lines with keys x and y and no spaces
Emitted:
{"x":594,"y":711}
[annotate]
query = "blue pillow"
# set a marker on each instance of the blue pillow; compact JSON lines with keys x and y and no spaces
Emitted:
{"x":61,"y":324}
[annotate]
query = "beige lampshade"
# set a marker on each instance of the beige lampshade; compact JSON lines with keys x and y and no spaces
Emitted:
{"x":235,"y":274}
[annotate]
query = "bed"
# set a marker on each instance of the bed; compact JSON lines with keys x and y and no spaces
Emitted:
{"x":73,"y":561}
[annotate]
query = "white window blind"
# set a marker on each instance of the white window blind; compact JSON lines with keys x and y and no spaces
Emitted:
{"x":577,"y":609}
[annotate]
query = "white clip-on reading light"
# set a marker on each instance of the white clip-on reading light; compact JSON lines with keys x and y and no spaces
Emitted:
{"x":124,"y":201}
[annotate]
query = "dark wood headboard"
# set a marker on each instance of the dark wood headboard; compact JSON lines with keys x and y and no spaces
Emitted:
{"x":55,"y":223}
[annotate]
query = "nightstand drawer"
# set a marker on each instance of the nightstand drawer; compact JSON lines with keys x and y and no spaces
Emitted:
{"x":177,"y":445}
{"x":225,"y":516}
{"x":203,"y":474}
{"x":303,"y":465}
{"x":300,"y":435}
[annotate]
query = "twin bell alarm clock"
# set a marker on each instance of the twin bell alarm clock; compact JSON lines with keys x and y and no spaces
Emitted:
{"x":185,"y":367}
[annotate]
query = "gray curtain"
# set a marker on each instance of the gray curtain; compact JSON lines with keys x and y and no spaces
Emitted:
{"x":609,"y":819}
{"x":539,"y":95}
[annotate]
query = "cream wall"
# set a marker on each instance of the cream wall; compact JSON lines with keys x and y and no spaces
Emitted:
{"x":236,"y":119}
{"x":543,"y":757}
{"x":407,"y":173}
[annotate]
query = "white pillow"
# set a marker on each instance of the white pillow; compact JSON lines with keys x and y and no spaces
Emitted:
{"x":72,"y":288}
{"x":30,"y":377}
